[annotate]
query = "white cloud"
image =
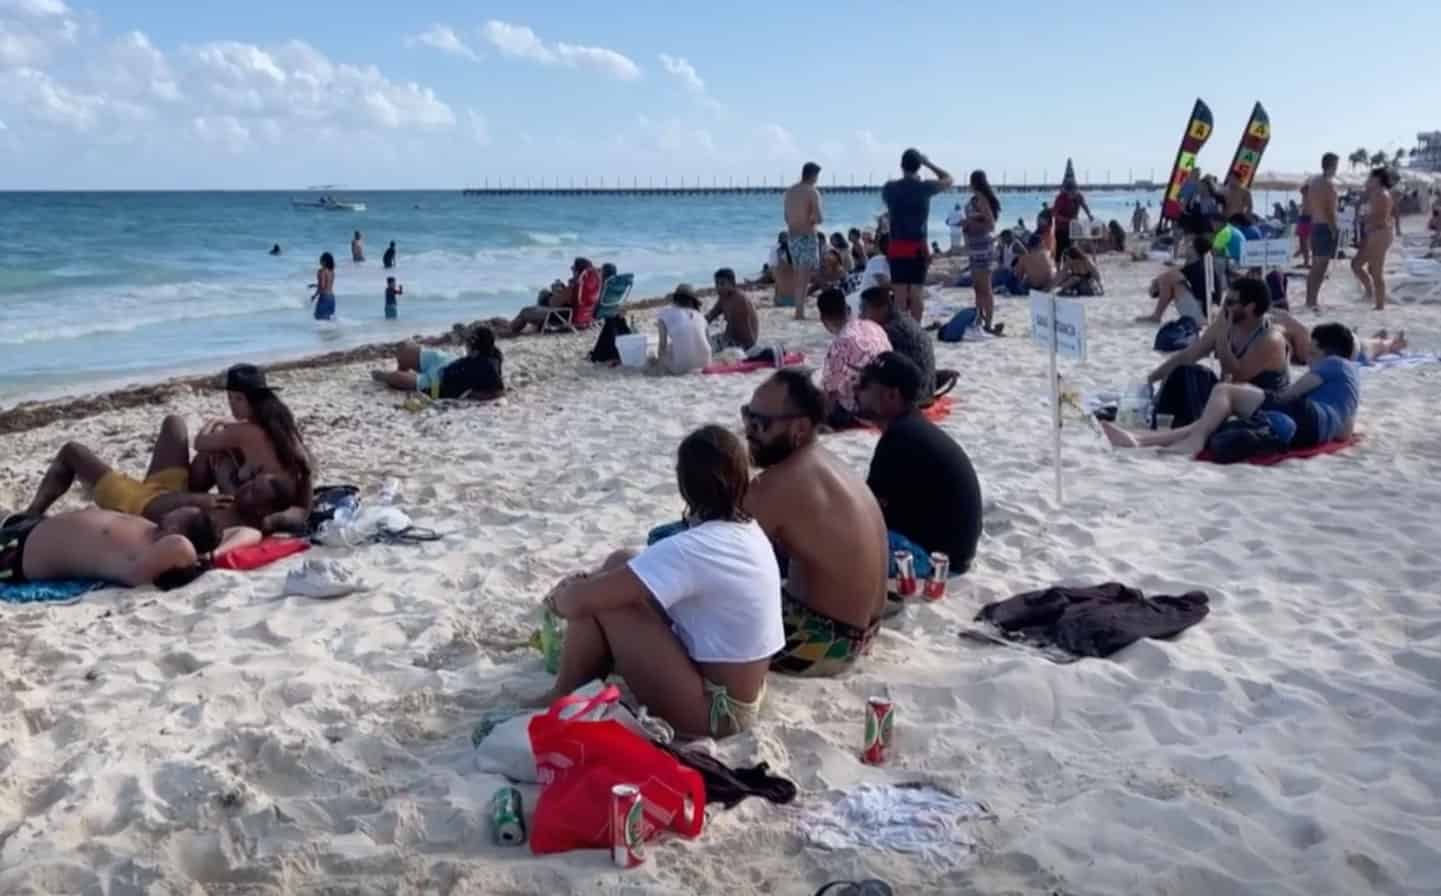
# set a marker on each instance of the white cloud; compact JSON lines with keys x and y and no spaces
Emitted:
{"x":132,"y":67}
{"x":37,"y":8}
{"x":778,"y":142}
{"x":20,"y":47}
{"x":36,"y":94}
{"x":516,"y":41}
{"x":520,"y":42}
{"x":224,"y":131}
{"x":684,"y":71}
{"x":444,"y":39}
{"x":607,"y":62}
{"x":296,"y":81}
{"x":37,"y":29}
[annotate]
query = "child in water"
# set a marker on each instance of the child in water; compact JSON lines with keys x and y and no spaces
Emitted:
{"x":392,"y":289}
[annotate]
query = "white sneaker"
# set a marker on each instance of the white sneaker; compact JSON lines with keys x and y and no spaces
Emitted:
{"x":323,"y":579}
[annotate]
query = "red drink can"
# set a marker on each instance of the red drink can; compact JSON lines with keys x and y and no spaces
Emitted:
{"x":905,"y":574}
{"x":627,"y":826}
{"x":880,"y":720}
{"x":940,"y":571}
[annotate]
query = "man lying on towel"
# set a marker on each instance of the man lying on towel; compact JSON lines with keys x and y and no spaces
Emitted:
{"x":824,"y":520}
{"x":112,"y":547}
{"x":163,"y":490}
{"x":1322,"y":404}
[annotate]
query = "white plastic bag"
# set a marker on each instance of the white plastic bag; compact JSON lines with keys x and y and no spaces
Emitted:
{"x":506,"y":749}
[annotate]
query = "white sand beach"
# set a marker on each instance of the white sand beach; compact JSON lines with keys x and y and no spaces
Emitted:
{"x":219,"y":740}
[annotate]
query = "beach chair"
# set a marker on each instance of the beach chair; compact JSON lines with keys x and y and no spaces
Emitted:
{"x":612,"y":294}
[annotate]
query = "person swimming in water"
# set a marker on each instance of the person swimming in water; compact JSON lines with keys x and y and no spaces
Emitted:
{"x":324,"y":286}
{"x":276,"y":250}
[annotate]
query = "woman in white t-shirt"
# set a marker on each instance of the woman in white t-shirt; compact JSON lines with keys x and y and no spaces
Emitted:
{"x":692,"y":622}
{"x":684,"y":335}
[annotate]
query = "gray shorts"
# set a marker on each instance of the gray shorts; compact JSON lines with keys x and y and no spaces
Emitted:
{"x":1323,"y":240}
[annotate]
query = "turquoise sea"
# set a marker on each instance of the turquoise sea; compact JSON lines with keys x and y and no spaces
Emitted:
{"x":98,"y":289}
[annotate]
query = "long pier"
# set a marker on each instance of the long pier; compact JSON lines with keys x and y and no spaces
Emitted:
{"x":764,"y":189}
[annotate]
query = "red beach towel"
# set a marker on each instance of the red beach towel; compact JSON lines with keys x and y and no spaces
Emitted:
{"x":263,"y":554}
{"x":1270,"y":460}
{"x":792,"y":358}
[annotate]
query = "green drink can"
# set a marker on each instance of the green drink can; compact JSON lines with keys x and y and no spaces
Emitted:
{"x":507,"y":817}
{"x":552,"y":640}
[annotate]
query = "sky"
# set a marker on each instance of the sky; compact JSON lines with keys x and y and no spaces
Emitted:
{"x":281,"y":95}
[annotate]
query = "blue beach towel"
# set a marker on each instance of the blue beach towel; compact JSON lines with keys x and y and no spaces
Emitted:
{"x":53,"y":591}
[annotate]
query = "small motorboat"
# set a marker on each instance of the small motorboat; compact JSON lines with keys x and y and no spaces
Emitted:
{"x":329,"y":203}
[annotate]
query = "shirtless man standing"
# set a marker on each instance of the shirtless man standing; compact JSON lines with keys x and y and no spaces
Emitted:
{"x":803,"y":216}
{"x":1236,"y":199}
{"x":112,"y":547}
{"x":822,"y":517}
{"x":1321,"y":207}
{"x":742,"y":325}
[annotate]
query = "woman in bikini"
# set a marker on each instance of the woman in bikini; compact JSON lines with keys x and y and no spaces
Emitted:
{"x":263,"y":439}
{"x":1377,"y":232}
{"x":1078,"y":275}
{"x":979,"y":227}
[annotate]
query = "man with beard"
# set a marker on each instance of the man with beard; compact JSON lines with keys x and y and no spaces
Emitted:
{"x":824,"y":520}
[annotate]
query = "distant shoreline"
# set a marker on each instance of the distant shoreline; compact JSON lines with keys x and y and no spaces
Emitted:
{"x":33,"y":414}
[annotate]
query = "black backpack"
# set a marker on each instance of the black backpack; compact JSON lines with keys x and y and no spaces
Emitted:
{"x":605,"y":351}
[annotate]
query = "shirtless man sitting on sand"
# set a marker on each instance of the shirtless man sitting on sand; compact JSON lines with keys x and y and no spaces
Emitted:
{"x":824,"y":519}
{"x":742,"y":326}
{"x":164,"y":488}
{"x":112,"y":547}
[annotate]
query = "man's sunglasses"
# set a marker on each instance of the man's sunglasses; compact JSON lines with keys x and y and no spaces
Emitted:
{"x":757,"y":420}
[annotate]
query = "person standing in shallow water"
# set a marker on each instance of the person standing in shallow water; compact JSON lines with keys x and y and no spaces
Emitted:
{"x":388,"y":259}
{"x":324,"y":286}
{"x":357,"y":247}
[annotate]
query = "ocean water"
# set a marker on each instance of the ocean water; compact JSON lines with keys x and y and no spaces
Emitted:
{"x":98,"y":289}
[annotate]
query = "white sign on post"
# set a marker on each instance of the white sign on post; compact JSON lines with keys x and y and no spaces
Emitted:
{"x":1060,"y":326}
{"x":1059,"y":323}
{"x":1266,"y":253}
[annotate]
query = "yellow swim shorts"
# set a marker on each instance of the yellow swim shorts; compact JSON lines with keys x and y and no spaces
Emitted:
{"x":126,"y":494}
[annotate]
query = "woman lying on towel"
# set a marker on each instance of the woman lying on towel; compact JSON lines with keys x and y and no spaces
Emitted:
{"x":1322,"y":404}
{"x":692,"y":622}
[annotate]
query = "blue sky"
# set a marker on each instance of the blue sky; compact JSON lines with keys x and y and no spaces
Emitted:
{"x":281,"y":95}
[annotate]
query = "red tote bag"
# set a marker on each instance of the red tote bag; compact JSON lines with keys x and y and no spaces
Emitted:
{"x":578,"y":762}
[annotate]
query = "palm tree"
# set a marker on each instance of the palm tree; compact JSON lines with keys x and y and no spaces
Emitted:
{"x":1379,"y":158}
{"x":1398,"y":158}
{"x":1358,"y":158}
